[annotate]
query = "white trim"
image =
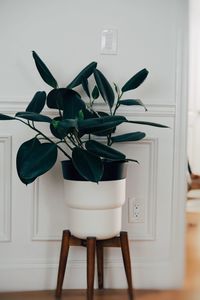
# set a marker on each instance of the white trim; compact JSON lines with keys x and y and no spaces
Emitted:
{"x":5,"y":235}
{"x":148,"y":228}
{"x":177,"y":251}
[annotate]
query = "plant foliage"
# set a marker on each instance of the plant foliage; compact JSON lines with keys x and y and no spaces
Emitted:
{"x":77,"y":126}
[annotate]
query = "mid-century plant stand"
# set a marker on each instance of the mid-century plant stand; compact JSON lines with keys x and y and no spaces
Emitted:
{"x":92,"y":244}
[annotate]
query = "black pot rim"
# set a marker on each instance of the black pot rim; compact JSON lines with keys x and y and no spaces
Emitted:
{"x":113,"y":170}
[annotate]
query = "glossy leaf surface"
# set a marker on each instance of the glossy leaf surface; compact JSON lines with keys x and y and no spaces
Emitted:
{"x":100,"y":124}
{"x":135,"y":81}
{"x":104,"y":150}
{"x":105,"y":88}
{"x":148,"y":123}
{"x":132,"y":136}
{"x":86,"y":72}
{"x":44,"y":71}
{"x":33,"y":116}
{"x":95,"y":93}
{"x":87,"y":164}
{"x":37,"y":103}
{"x":130,"y":102}
{"x":35,"y":159}
{"x":63,"y":127}
{"x":5,"y":117}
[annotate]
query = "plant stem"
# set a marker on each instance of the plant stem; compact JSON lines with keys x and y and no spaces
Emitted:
{"x":48,"y":139}
{"x":117,"y":104}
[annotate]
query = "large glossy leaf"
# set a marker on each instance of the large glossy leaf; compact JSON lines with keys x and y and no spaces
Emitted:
{"x":87,"y":164}
{"x":103,"y":150}
{"x":23,"y":156}
{"x":85,"y":86}
{"x":72,"y":105}
{"x":67,"y":100}
{"x":53,"y":128}
{"x":100,"y":124}
{"x":5,"y":117}
{"x":104,"y":132}
{"x":88,"y":114}
{"x":60,"y":128}
{"x":132,"y":136}
{"x":104,"y":87}
{"x":148,"y":123}
{"x":57,"y":98}
{"x":135,"y":81}
{"x":37,"y":103}
{"x":33,"y":116}
{"x":131,"y":102}
{"x":44,"y":71}
{"x":35,"y":159}
{"x":86,"y":72}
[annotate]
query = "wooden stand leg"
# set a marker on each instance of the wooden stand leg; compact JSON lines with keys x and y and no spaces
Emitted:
{"x":63,"y":261}
{"x":127,"y":261}
{"x":91,"y":245}
{"x":100,"y":264}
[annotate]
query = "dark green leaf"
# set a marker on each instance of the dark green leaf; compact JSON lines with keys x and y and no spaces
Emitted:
{"x":148,"y":123}
{"x":133,"y":136}
{"x":100,"y":124}
{"x":103,"y":150}
{"x":87,"y":164}
{"x":57,"y":97}
{"x":37,"y":103}
{"x":135,"y":81}
{"x":88,"y":114}
{"x":44,"y":71}
{"x":132,"y":102}
{"x":63,"y":127}
{"x":86,"y":72}
{"x":23,"y":157}
{"x":105,"y":88}
{"x":5,"y":117}
{"x":72,"y":106}
{"x":53,"y":128}
{"x":33,"y":116}
{"x":67,"y":100}
{"x":85,"y":86}
{"x":35,"y":159}
{"x":104,"y":132}
{"x":95,"y":93}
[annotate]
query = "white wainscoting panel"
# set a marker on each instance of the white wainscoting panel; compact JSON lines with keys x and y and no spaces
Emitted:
{"x":5,"y":188}
{"x":49,"y":207}
{"x":141,"y":186}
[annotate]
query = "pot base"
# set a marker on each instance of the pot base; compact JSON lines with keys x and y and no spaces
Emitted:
{"x":102,"y":224}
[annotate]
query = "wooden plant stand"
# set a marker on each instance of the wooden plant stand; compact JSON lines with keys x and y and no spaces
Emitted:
{"x":92,"y":244}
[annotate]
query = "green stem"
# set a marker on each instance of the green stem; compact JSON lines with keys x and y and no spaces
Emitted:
{"x":117,"y":104}
{"x":48,"y":139}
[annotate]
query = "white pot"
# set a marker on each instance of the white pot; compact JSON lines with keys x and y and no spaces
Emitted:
{"x":95,"y":209}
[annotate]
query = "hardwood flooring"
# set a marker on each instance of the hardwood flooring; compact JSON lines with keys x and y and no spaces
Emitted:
{"x":190,"y":291}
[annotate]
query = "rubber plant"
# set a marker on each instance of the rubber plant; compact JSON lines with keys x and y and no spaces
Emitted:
{"x":76,"y":128}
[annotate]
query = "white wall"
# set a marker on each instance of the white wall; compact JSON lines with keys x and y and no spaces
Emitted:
{"x":66,"y":34}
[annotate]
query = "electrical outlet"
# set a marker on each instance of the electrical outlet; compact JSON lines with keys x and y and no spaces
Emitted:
{"x":136,"y":210}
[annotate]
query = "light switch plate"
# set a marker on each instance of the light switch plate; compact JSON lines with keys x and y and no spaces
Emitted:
{"x":109,"y":40}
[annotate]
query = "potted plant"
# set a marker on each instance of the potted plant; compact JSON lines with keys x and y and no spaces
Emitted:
{"x":94,"y":171}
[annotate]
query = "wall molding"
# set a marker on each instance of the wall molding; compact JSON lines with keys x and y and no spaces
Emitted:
{"x":11,"y":105}
{"x":6,"y":143}
{"x":147,"y":230}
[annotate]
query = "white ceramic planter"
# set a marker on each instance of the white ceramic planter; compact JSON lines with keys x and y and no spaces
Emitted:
{"x":95,"y":209}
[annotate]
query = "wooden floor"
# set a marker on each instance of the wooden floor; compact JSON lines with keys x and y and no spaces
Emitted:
{"x":191,"y":290}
